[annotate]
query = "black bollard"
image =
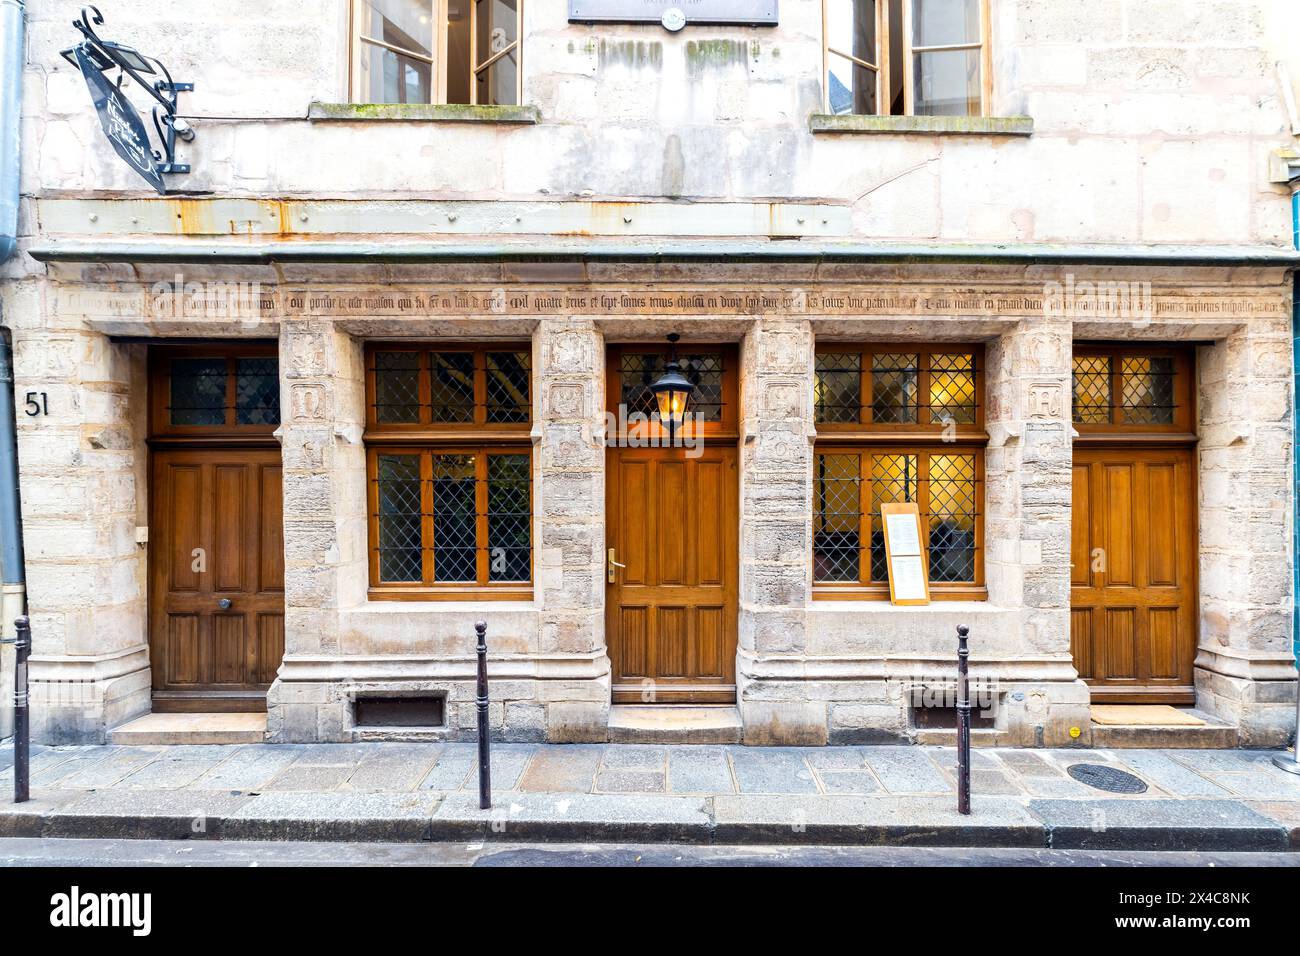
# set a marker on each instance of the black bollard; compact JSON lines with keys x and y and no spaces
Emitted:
{"x":22,"y":720}
{"x":963,"y":722}
{"x":484,"y":745}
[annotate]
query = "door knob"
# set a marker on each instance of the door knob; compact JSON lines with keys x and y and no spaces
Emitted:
{"x":224,"y":604}
{"x":612,"y":575}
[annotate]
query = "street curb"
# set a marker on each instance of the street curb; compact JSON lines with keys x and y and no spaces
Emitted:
{"x":483,"y":829}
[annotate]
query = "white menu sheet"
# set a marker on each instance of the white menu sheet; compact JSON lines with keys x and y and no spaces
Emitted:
{"x":903,"y":538}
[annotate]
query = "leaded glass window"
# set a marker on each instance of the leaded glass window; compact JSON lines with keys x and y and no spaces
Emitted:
{"x":450,"y":513}
{"x":704,"y":370}
{"x":849,"y":488}
{"x":223,"y":391}
{"x":453,"y":386}
{"x":1128,"y":388}
{"x":460,"y":517}
{"x":892,"y":388}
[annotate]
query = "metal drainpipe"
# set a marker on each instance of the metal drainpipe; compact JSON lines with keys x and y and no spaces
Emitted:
{"x":12,"y":592}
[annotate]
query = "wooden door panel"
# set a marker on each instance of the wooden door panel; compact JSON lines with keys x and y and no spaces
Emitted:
{"x":1119,"y":652}
{"x":1117,"y":517}
{"x":217,"y":535}
{"x":1133,"y":604}
{"x":671,"y":612}
{"x":271,"y":532}
{"x":1081,"y":539}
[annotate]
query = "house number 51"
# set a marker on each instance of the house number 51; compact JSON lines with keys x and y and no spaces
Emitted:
{"x":38,"y":403}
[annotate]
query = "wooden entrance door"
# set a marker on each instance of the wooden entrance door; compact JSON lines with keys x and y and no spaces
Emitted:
{"x":1133,"y":573}
{"x":671,"y":608}
{"x":217,"y":577}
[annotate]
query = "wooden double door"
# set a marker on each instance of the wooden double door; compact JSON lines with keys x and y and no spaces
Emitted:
{"x":1133,"y":604}
{"x":671,"y":573}
{"x":217,"y":577}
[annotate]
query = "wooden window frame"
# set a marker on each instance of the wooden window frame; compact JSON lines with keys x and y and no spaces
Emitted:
{"x":922,"y":438}
{"x":160,"y":424}
{"x":438,"y":86}
{"x":726,"y":429}
{"x":881,"y":68}
{"x":923,"y":429}
{"x":426,"y":439}
{"x":1183,"y":426}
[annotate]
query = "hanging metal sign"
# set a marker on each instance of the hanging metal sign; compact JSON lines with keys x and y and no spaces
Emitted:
{"x":121,"y":121}
{"x":675,"y":14}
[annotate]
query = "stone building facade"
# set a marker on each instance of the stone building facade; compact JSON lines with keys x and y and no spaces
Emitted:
{"x":1110,"y":203}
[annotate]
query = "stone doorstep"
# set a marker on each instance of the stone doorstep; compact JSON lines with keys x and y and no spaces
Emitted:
{"x":1214,"y":734}
{"x":166,"y":729}
{"x":674,"y":724}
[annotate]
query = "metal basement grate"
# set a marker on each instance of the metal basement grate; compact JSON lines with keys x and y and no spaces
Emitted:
{"x":1110,"y":779}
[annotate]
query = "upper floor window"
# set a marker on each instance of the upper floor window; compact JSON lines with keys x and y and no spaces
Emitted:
{"x":906,"y":57}
{"x":436,"y":51}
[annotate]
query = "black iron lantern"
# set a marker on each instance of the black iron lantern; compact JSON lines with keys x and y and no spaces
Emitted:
{"x":672,"y":390}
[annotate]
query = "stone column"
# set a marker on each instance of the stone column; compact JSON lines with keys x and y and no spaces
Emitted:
{"x":1245,"y":670}
{"x":1027,"y":500}
{"x":322,"y":401}
{"x":82,"y":474}
{"x":569,"y":502}
{"x":776,"y":530}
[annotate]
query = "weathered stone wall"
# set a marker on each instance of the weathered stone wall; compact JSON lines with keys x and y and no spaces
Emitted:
{"x":1243,"y":669}
{"x":808,"y":671}
{"x":1152,"y":121}
{"x":83,"y":492}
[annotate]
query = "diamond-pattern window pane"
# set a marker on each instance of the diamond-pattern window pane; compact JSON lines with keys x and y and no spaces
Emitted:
{"x":1147,"y":390}
{"x":397,"y":388}
{"x":454,"y":518}
{"x":198,"y":391}
{"x":703,"y":370}
{"x":257,"y":391}
{"x":952,"y":512}
{"x":893,"y":388}
{"x":452,"y":393}
{"x":509,"y":518}
{"x":1091,"y":398}
{"x":893,"y":479}
{"x":839,"y":387}
{"x":636,"y":372}
{"x":401,"y":545}
{"x":508,"y":376}
{"x":837,"y":528}
{"x":952,"y":388}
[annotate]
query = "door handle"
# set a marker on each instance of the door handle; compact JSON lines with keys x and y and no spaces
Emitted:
{"x":611,"y":575}
{"x":224,"y":604}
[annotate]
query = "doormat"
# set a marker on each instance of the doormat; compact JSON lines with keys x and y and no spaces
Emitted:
{"x":1144,"y":715}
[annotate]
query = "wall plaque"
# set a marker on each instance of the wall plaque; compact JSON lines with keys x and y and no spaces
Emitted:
{"x":673,"y":14}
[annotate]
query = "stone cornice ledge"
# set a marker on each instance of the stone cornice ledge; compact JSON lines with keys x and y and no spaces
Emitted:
{"x":421,"y":112}
{"x":933,"y":125}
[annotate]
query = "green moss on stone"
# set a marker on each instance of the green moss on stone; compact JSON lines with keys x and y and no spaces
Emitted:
{"x":705,"y":54}
{"x":444,"y":112}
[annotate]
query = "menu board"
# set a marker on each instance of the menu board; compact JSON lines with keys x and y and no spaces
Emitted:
{"x":908,"y":583}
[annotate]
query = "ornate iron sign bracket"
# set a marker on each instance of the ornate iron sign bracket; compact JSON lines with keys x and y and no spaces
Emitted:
{"x":121,"y":121}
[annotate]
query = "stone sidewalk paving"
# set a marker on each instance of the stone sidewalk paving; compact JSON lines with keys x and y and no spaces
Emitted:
{"x":1195,"y":799}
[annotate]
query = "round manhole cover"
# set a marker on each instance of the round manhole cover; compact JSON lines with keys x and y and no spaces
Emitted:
{"x":1110,"y":779}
